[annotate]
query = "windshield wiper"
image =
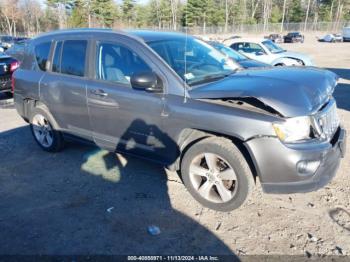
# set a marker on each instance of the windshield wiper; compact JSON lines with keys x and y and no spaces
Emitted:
{"x":211,"y":78}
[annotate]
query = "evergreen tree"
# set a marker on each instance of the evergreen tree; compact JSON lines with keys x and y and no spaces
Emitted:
{"x":296,"y":13}
{"x":79,"y":15}
{"x":128,"y":9}
{"x":105,"y":11}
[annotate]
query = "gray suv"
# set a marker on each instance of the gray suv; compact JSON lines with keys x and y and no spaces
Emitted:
{"x":174,"y":99}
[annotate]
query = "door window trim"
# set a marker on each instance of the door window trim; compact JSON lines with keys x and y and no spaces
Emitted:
{"x":123,"y":42}
{"x":87,"y":52}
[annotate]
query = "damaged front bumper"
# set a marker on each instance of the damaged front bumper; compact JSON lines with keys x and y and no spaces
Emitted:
{"x":278,"y":165}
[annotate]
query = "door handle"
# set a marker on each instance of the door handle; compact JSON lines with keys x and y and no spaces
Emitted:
{"x":99,"y":92}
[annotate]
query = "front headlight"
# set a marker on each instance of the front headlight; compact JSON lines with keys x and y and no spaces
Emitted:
{"x":294,"y":129}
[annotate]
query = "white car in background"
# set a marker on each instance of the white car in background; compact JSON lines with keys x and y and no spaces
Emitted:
{"x":346,"y":34}
{"x":331,"y":38}
{"x":266,"y":51}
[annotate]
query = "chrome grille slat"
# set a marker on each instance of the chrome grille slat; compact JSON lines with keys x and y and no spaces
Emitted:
{"x":328,"y":120}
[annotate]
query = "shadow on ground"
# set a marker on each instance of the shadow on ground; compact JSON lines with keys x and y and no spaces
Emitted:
{"x":342,"y":91}
{"x":341,"y":72}
{"x":57,"y":204}
{"x":342,"y":95}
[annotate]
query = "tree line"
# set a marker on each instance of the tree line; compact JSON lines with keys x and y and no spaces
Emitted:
{"x":33,"y":16}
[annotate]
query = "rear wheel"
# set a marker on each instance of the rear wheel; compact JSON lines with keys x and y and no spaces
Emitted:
{"x":44,"y":134}
{"x":216,"y":174}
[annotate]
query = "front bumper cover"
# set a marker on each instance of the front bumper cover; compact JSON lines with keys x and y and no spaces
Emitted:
{"x":5,"y":83}
{"x":276,"y":163}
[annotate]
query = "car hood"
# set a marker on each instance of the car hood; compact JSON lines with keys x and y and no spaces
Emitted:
{"x":291,"y":91}
{"x":248,"y":63}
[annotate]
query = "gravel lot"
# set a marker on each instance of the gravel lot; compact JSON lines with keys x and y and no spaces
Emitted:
{"x":57,"y":203}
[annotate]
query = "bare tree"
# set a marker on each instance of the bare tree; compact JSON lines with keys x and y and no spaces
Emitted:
{"x":9,"y":10}
{"x":307,"y":14}
{"x":267,"y":6}
{"x":30,"y":12}
{"x":174,"y":12}
{"x":283,"y":13}
{"x":255,"y":6}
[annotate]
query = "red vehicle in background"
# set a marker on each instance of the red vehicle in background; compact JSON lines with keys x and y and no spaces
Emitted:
{"x":7,"y":66}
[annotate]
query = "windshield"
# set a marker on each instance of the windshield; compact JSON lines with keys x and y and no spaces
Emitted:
{"x":272,"y":47}
{"x":230,"y":53}
{"x":193,"y":60}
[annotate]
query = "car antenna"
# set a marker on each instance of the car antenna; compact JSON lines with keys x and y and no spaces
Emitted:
{"x":185,"y":59}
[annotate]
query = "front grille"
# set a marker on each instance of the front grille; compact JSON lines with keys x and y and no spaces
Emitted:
{"x":4,"y":79}
{"x":328,"y":120}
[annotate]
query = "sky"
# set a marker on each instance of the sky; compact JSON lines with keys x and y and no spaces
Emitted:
{"x":118,"y":1}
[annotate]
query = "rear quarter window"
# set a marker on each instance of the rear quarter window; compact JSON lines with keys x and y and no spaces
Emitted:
{"x":42,"y":52}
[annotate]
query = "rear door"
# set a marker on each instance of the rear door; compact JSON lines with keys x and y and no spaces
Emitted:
{"x":63,"y":88}
{"x":124,"y":119}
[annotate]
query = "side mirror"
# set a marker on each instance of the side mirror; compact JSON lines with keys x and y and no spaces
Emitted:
{"x":259,"y":53}
{"x":147,"y":81}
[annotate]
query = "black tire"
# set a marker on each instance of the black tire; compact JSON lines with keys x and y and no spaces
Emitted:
{"x":57,"y":138}
{"x":9,"y":94}
{"x":228,"y":151}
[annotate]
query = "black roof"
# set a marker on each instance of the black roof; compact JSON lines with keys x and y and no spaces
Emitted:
{"x":143,"y":35}
{"x":153,"y":36}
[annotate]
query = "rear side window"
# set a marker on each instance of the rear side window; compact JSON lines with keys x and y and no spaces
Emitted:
{"x":57,"y":58}
{"x":42,"y":52}
{"x":73,"y":57}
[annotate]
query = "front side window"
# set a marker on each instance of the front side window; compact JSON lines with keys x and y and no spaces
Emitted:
{"x":73,"y":57}
{"x":231,"y":53}
{"x":117,"y":63}
{"x":42,"y":52}
{"x":252,"y":48}
{"x":193,"y":60}
{"x":272,"y":47}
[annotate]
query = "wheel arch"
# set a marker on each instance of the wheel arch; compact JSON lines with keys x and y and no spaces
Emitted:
{"x":188,"y":137}
{"x":285,"y":61}
{"x":30,"y":104}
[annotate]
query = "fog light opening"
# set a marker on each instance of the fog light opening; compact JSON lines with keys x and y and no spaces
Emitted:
{"x":307,"y":168}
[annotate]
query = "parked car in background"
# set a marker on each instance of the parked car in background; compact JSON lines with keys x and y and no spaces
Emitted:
{"x":346,"y":34}
{"x":276,"y":38}
{"x":17,"y":50}
{"x":241,"y":59}
{"x":175,"y":100}
{"x":7,"y":66}
{"x":294,"y":37}
{"x":331,"y":38}
{"x":8,"y":41}
{"x":268,"y":52}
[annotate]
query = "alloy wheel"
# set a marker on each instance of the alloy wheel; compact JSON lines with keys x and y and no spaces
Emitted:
{"x":42,"y":130}
{"x":213,"y":178}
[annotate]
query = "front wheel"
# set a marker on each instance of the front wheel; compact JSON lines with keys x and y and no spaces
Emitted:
{"x":44,"y":134}
{"x":216,"y":174}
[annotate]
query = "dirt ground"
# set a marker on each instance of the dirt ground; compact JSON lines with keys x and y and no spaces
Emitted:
{"x":87,"y":201}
